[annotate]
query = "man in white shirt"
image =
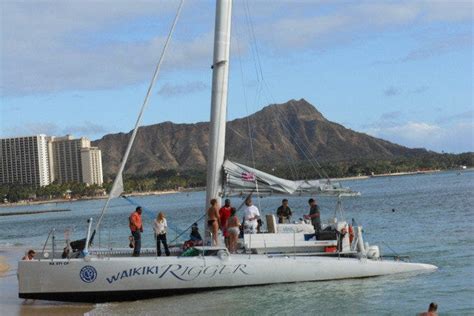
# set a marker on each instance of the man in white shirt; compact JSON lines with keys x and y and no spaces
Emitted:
{"x":251,"y":215}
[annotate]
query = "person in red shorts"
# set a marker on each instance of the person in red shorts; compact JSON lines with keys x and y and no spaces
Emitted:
{"x":224,"y":214}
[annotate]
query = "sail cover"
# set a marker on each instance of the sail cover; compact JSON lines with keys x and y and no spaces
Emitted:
{"x":243,"y":180}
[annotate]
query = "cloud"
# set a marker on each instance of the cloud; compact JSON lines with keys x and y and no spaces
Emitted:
{"x":438,"y":47}
{"x":467,"y":116}
{"x":28,"y":129}
{"x":419,"y":90}
{"x":457,"y":137}
{"x":171,"y":90}
{"x":51,"y":46}
{"x":86,"y":129}
{"x":341,"y":22}
{"x":394,"y":91}
{"x":391,"y":91}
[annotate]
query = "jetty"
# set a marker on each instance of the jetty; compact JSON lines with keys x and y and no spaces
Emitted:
{"x":30,"y":212}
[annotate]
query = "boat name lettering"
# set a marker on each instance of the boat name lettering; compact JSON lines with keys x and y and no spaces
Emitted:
{"x":180,"y":272}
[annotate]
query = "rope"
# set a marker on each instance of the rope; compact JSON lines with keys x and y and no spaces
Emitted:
{"x":262,"y":82}
{"x":118,"y":179}
{"x":148,"y":212}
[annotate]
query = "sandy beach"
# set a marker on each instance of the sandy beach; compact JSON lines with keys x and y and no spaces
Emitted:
{"x":10,"y":304}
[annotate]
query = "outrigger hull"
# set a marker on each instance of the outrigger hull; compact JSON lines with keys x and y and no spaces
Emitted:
{"x":117,"y":279}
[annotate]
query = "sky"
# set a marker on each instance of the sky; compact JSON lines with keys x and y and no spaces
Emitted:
{"x":398,"y":70}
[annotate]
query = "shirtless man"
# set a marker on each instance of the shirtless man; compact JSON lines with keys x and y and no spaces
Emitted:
{"x":213,"y":221}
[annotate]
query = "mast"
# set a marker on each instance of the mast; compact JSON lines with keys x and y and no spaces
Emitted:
{"x":220,"y":76}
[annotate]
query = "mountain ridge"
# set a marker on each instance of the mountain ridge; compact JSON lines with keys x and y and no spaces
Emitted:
{"x":289,"y":132}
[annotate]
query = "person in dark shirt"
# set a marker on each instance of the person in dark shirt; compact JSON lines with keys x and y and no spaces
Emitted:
{"x":315,"y":216}
{"x":224,"y":214}
{"x":284,"y":212}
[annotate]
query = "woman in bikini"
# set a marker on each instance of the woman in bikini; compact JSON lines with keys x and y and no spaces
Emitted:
{"x":213,"y":221}
{"x":233,"y":228}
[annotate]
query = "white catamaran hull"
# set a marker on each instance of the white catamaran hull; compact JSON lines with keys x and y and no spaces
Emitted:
{"x":112,"y":279}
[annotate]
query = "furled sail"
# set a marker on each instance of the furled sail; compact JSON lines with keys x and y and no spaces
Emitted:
{"x":243,"y":180}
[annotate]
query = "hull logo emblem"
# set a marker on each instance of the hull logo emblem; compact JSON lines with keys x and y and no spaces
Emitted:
{"x":88,"y":274}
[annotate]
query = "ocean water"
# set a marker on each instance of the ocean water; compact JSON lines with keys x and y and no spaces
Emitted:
{"x":432,"y":223}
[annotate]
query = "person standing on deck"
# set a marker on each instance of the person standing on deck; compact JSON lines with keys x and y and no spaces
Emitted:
{"x":160,"y":226}
{"x":224,"y":214}
{"x":136,"y":227}
{"x":315,"y":216}
{"x":213,"y":221}
{"x":284,"y":212}
{"x":251,"y":215}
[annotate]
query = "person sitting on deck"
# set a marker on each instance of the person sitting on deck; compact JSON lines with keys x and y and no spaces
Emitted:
{"x":251,"y":215}
{"x":29,"y":256}
{"x":195,"y":238}
{"x":284,"y":212}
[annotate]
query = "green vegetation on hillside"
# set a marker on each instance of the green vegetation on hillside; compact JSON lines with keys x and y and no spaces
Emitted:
{"x":168,"y":179}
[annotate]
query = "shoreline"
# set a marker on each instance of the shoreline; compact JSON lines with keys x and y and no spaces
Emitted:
{"x":182,"y":190}
{"x":57,"y":201}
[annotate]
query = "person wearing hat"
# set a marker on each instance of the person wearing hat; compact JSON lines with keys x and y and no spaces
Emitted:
{"x":30,"y":255}
{"x":224,"y":214}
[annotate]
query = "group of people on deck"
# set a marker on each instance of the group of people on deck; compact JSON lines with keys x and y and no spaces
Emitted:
{"x":218,"y":218}
{"x":226,"y":220}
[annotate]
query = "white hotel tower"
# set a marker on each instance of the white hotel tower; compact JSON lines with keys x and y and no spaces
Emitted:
{"x":25,"y":160}
{"x":40,"y":160}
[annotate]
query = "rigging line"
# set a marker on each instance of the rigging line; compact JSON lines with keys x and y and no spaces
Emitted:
{"x":314,"y":158}
{"x":148,"y":212}
{"x":248,"y":123}
{"x":259,"y":77}
{"x":245,"y":97}
{"x":254,"y":38}
{"x":252,"y":48}
{"x":259,"y":70}
{"x":252,"y":31}
{"x":287,"y":125}
{"x":307,"y":154}
{"x":118,"y":179}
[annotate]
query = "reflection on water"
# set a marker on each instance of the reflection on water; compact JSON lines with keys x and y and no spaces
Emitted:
{"x":432,"y":223}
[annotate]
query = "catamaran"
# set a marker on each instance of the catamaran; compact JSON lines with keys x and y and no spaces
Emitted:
{"x":86,"y":274}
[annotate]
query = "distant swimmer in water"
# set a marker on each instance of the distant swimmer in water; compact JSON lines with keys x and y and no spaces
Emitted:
{"x":432,"y":310}
{"x":393,"y":210}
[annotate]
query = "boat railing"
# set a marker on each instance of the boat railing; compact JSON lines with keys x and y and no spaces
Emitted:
{"x":51,"y":232}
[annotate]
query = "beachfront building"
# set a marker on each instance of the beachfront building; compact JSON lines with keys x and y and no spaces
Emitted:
{"x":91,"y":160}
{"x":40,"y":160}
{"x":25,"y":160}
{"x":66,"y":153}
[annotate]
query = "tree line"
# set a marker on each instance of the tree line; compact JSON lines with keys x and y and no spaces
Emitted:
{"x":170,"y":179}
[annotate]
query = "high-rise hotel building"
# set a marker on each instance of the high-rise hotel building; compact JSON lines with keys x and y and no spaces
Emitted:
{"x":40,"y":160}
{"x":91,"y":160}
{"x":25,"y":160}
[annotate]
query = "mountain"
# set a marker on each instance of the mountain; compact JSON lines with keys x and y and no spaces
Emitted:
{"x":282,"y":133}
